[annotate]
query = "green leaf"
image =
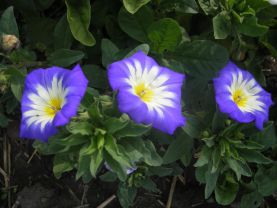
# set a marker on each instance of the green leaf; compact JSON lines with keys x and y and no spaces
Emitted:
{"x":193,"y":126}
{"x":222,"y":25}
{"x":209,"y":6}
{"x":113,"y":149}
{"x":200,"y":173}
{"x":152,"y":157}
{"x":133,"y":130}
{"x":96,"y":76}
{"x":254,"y":156}
{"x":22,"y":55}
{"x":251,"y":27}
{"x":138,"y":149}
{"x":65,"y":57}
{"x":226,"y":192}
{"x":211,"y":180}
{"x":266,"y":180}
{"x":95,"y":113}
{"x":133,"y":6}
{"x":108,"y":177}
{"x":116,"y":166}
{"x":95,"y":162}
{"x":201,"y":58}
{"x":182,"y":6}
{"x":239,"y":168}
{"x":142,"y":47}
{"x":114,"y":124}
{"x":204,"y":158}
{"x":17,"y":78}
{"x":250,"y":145}
{"x":251,"y":200}
{"x":8,"y":23}
{"x":216,"y":158}
{"x":90,"y":148}
{"x":61,"y":164}
{"x":109,"y":51}
{"x":62,"y":34}
{"x":160,"y":171}
{"x":218,"y":122}
{"x":165,"y":34}
{"x":83,"y":169}
{"x":81,"y":127}
{"x":267,"y":137}
{"x":71,"y":140}
{"x":3,"y":120}
{"x":149,"y":185}
{"x":126,"y":195}
{"x":78,"y":17}
{"x":136,"y":25}
{"x":179,"y":148}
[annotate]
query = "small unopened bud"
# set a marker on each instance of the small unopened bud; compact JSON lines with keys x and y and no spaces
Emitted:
{"x":9,"y":42}
{"x":228,"y":122}
{"x":205,"y":134}
{"x":273,"y":2}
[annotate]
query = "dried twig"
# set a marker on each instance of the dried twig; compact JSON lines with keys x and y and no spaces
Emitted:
{"x":7,"y":167}
{"x":171,"y":192}
{"x":76,"y":199}
{"x":84,"y":194}
{"x":107,"y":201}
{"x":182,"y":179}
{"x":161,"y":203}
{"x":4,"y":174}
{"x":16,"y":204}
{"x":31,"y":157}
{"x":82,"y":206}
{"x":197,"y":204}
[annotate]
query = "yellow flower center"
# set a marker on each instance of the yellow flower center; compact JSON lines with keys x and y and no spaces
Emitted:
{"x":144,"y":92}
{"x":240,"y":98}
{"x":55,"y":104}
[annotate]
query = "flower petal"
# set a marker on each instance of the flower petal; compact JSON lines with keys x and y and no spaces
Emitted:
{"x":148,"y":93}
{"x":240,"y":96}
{"x":51,"y":97}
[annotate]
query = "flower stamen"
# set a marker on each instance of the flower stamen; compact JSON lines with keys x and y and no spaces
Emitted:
{"x":240,"y":98}
{"x":145,"y":93}
{"x":55,"y":105}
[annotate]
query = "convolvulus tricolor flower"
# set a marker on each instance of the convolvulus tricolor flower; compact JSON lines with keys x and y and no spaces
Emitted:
{"x":51,"y":97}
{"x":147,"y":92}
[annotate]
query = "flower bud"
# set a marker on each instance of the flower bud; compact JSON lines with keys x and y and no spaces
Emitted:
{"x":9,"y":42}
{"x":228,"y":122}
{"x":205,"y":134}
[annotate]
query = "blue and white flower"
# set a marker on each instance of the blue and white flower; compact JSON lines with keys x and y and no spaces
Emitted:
{"x":240,"y":96}
{"x":51,"y":97}
{"x":147,"y":92}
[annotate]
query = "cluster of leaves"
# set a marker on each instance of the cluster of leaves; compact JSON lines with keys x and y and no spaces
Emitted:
{"x":231,"y":157}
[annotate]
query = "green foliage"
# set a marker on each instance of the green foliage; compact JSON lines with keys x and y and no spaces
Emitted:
{"x":133,"y":6}
{"x":8,"y":23}
{"x":136,"y":25}
{"x":164,"y":35}
{"x":226,"y":157}
{"x":65,"y":57}
{"x":221,"y":25}
{"x":78,"y":17}
{"x":65,"y":40}
{"x":181,"y":147}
